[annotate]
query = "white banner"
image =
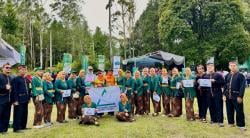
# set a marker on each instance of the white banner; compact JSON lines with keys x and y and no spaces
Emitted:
{"x":205,"y":82}
{"x":106,"y":98}
{"x":188,"y":83}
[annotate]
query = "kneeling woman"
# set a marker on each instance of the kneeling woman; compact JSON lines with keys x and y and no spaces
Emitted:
{"x":124,"y":113}
{"x":88,"y":119}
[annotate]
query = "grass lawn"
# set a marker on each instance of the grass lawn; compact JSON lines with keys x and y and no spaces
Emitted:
{"x":145,"y":126}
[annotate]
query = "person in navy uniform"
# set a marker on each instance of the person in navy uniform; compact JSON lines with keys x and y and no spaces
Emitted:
{"x":214,"y":95}
{"x":233,"y":95}
{"x":5,"y":98}
{"x":21,"y":98}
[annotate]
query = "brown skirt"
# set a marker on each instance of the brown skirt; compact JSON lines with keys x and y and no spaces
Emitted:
{"x":47,"y":112}
{"x":139,"y":105}
{"x":88,"y":120}
{"x":177,"y":106}
{"x":166,"y":103}
{"x":156,"y":105}
{"x":61,"y":108}
{"x":146,"y":102}
{"x":189,"y":109}
{"x":121,"y":116}
{"x":72,"y":108}
{"x":38,"y":117}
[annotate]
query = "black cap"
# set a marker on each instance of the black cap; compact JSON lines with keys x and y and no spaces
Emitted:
{"x":21,"y":66}
{"x":128,"y":71}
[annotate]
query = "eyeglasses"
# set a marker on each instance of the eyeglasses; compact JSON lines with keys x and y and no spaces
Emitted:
{"x":7,"y":67}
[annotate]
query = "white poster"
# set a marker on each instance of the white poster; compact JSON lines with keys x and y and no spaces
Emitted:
{"x":205,"y":82}
{"x":188,"y":83}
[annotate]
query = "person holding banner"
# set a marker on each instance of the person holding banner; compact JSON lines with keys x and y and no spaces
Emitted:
{"x":81,"y":92}
{"x":176,"y":102}
{"x":138,"y":93}
{"x":72,"y":103}
{"x":124,"y":114}
{"x":189,"y":93}
{"x":213,"y":83}
{"x":154,"y":86}
{"x":201,"y":95}
{"x":100,"y":79}
{"x":61,"y":95}
{"x":146,"y":91}
{"x":38,"y":97}
{"x":88,"y":112}
{"x":49,"y":94}
{"x":233,"y":95}
{"x":129,"y":90}
{"x":166,"y":91}
{"x":120,"y":80}
{"x":5,"y":98}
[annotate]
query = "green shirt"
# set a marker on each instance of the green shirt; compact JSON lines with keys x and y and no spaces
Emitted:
{"x":80,"y":85}
{"x":165,"y":85}
{"x":146,"y":81}
{"x":49,"y":91}
{"x":60,"y":85}
{"x":37,"y":86}
{"x":154,"y":85}
{"x":138,"y":86}
{"x":71,"y":85}
{"x":93,"y":105}
{"x":130,"y":86}
{"x":173,"y":82}
{"x":189,"y":92}
{"x":121,"y":82}
{"x":124,"y":108}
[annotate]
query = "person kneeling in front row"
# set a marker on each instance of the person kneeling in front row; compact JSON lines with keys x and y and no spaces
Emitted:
{"x":124,"y":113}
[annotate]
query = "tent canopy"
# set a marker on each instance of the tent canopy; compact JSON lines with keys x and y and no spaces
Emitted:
{"x":160,"y":57}
{"x":8,"y":54}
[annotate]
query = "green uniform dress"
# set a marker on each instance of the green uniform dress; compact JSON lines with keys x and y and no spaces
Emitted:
{"x":129,"y":87}
{"x":138,"y":86}
{"x":93,"y":105}
{"x":175,"y":92}
{"x":165,"y":85}
{"x":124,"y":108}
{"x":189,"y":92}
{"x":49,"y":92}
{"x":60,"y":85}
{"x":72,"y":85}
{"x":154,"y":85}
{"x":37,"y":86}
{"x":80,"y":86}
{"x":146,"y":81}
{"x":120,"y":81}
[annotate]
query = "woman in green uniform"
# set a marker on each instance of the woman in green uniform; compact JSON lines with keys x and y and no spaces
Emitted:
{"x":146,"y":91}
{"x":139,"y":93}
{"x":124,"y":113}
{"x":129,"y":90}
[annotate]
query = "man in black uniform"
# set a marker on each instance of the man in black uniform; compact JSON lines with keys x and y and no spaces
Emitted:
{"x":214,"y":95}
{"x":21,"y":97}
{"x":5,"y":98}
{"x":233,"y":95}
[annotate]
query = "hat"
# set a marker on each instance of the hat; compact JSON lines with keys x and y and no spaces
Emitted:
{"x":38,"y":69}
{"x":22,"y":66}
{"x":210,"y":63}
{"x":90,"y":68}
{"x":73,"y":72}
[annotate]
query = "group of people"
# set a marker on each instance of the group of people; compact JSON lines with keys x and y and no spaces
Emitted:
{"x":164,"y":89}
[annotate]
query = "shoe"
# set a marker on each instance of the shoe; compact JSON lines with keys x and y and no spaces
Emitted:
{"x":97,"y":124}
{"x":221,"y":125}
{"x":170,"y":115}
{"x":203,"y":120}
{"x":155,"y":114}
{"x":231,"y":125}
{"x":38,"y":126}
{"x":18,"y":131}
{"x":211,"y":122}
{"x":242,"y":129}
{"x":163,"y":115}
{"x":65,"y":121}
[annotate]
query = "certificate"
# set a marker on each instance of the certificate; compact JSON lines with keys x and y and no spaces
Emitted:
{"x":89,"y":111}
{"x":66,"y":93}
{"x":178,"y":85}
{"x":165,"y":80}
{"x":205,"y":82}
{"x":188,"y":83}
{"x":156,"y":97}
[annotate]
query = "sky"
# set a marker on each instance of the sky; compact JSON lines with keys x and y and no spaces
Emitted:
{"x":96,"y":14}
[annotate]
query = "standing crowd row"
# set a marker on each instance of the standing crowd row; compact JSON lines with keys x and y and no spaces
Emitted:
{"x":164,"y":90}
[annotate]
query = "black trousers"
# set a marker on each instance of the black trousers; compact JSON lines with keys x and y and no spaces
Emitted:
{"x":204,"y":102}
{"x":232,"y":106}
{"x":20,"y":116}
{"x":216,"y":108}
{"x":4,"y":116}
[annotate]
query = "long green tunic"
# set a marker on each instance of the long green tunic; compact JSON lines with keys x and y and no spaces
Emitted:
{"x":49,"y":92}
{"x":129,"y":86}
{"x":60,"y":85}
{"x":138,"y":86}
{"x":154,"y":85}
{"x":72,"y":85}
{"x":173,"y":82}
{"x":120,"y":81}
{"x":37,"y":86}
{"x":189,"y":92}
{"x":80,"y":85}
{"x":165,"y":85}
{"x":125,"y":108}
{"x":146,"y":81}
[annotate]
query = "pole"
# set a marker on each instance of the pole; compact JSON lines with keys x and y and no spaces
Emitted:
{"x":110,"y":31}
{"x":41,"y":49}
{"x":50,"y":50}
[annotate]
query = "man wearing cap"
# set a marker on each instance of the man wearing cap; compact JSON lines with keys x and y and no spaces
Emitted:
{"x":214,"y":95}
{"x":233,"y":95}
{"x":38,"y":97}
{"x":90,"y":77}
{"x":5,"y":98}
{"x":21,"y":98}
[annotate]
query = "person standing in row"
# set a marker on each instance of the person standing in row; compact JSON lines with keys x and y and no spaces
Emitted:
{"x":5,"y":98}
{"x":38,"y":97}
{"x":201,"y":95}
{"x":138,"y":93}
{"x":215,"y":101}
{"x":166,"y":91}
{"x":175,"y":85}
{"x":110,"y":81}
{"x":21,"y":98}
{"x":189,"y":93}
{"x":146,"y":90}
{"x":49,"y":94}
{"x":61,"y":101}
{"x":120,"y":80}
{"x":72,"y":106}
{"x":90,"y":78}
{"x":129,"y":90}
{"x":233,"y":95}
{"x":81,"y":92}
{"x":154,"y":86}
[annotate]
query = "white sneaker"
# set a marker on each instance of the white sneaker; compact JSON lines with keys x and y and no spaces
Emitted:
{"x":242,"y":129}
{"x":38,"y":126}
